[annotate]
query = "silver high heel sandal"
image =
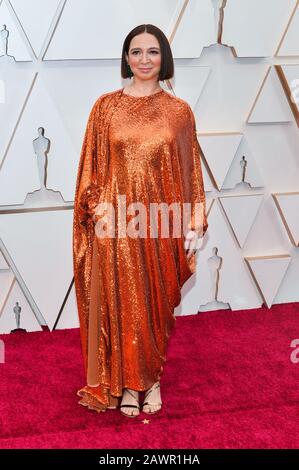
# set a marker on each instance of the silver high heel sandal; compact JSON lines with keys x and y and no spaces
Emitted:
{"x":130,"y":406}
{"x":153,"y":387}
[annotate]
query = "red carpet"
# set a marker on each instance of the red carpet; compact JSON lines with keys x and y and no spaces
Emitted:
{"x":228,"y":383}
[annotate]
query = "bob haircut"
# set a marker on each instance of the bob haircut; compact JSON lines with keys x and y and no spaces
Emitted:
{"x":167,"y":66}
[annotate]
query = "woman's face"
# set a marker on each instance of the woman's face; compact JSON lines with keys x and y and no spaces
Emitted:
{"x":144,"y":56}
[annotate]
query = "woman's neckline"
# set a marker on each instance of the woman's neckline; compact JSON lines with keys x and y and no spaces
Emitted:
{"x":143,"y":96}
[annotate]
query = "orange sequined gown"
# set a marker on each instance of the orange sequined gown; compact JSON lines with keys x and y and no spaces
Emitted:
{"x":145,"y":149}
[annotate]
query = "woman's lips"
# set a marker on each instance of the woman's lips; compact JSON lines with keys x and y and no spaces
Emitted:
{"x":145,"y":70}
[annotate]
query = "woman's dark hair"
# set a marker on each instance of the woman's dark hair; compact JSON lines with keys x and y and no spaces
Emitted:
{"x":167,"y":67}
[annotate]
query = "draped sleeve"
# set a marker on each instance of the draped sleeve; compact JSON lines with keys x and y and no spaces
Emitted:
{"x":87,"y":188}
{"x":91,"y":180}
{"x":194,"y":189}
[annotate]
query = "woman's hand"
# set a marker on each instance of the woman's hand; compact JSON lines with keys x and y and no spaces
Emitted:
{"x":191,"y":243}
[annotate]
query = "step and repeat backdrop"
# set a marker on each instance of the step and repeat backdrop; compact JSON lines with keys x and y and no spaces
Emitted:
{"x":236,"y":64}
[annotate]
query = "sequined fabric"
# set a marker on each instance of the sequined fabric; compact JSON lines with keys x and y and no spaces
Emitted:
{"x":145,"y":149}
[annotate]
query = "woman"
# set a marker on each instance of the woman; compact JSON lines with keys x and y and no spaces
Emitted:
{"x":140,"y":145}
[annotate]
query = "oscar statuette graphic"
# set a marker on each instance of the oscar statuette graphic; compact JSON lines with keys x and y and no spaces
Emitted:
{"x":17,"y":311}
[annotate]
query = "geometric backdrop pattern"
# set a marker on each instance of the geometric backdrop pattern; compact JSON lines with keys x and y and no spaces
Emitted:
{"x":236,"y":64}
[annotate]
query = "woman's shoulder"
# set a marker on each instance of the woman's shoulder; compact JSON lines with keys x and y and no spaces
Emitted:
{"x":106,"y":96}
{"x":179,"y":103}
{"x":110,"y":94}
{"x":173,"y":98}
